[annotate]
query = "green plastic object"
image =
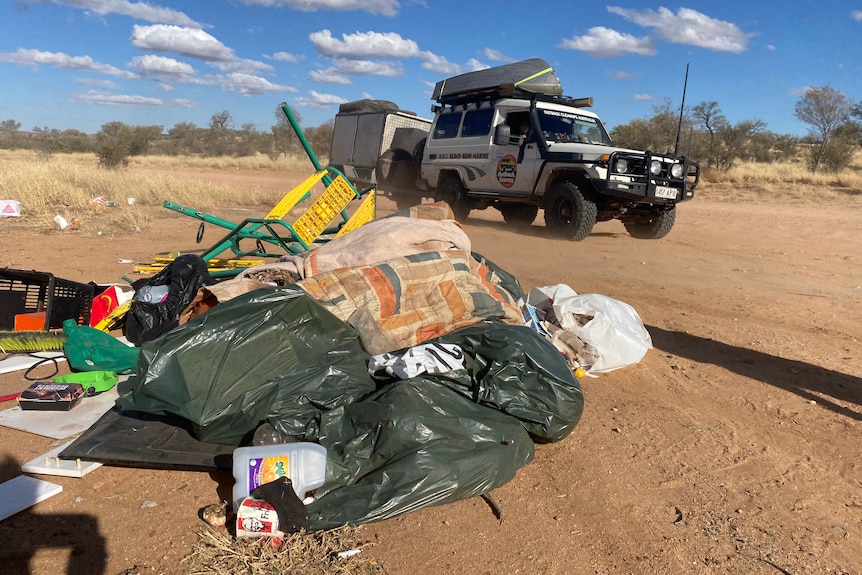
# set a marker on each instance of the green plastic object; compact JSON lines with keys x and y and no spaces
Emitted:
{"x":90,"y":349}
{"x":93,"y":382}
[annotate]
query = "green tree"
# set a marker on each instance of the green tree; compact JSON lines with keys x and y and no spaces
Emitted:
{"x":320,"y":138}
{"x":219,"y":134}
{"x":825,"y":109}
{"x":284,"y":140}
{"x":708,"y":116}
{"x":113,"y":145}
{"x":9,"y":128}
{"x":185,"y":138}
{"x":141,"y":137}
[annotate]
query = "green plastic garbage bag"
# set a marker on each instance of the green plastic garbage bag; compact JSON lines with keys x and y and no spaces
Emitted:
{"x":270,"y":353}
{"x":519,"y":372}
{"x":413,"y":444}
{"x":90,"y":349}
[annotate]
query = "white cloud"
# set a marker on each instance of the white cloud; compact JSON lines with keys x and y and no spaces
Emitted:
{"x":118,"y":100}
{"x":62,"y":61}
{"x":139,"y":10}
{"x":856,"y":15}
{"x":328,"y":76}
{"x":439,"y":64}
{"x":473,"y":65}
{"x":161,"y":67}
{"x":242,"y":65}
{"x":688,"y":27}
{"x":382,"y":7}
{"x":770,"y":47}
{"x":104,"y":84}
{"x":364,"y":45}
{"x":601,"y":42}
{"x":248,"y":84}
{"x":190,"y":42}
{"x":286,"y":57}
{"x":318,"y":100}
{"x":643,"y":97}
{"x":621,"y":75}
{"x":496,"y":55}
{"x":367,"y":68}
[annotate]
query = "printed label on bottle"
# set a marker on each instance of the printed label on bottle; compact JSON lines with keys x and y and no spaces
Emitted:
{"x":262,"y":470}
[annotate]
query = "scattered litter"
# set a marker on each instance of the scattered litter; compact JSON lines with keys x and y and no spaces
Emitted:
{"x":10,"y":209}
{"x":61,"y":222}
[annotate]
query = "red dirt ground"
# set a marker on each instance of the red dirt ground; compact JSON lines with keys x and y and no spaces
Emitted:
{"x":732,"y":447}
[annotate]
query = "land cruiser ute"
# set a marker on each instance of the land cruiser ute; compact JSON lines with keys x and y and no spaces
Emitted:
{"x":507,"y":138}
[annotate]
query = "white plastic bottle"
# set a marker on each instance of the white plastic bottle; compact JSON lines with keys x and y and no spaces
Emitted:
{"x":303,"y":462}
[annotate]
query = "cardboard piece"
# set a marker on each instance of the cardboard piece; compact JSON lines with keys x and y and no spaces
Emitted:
{"x":60,"y":425}
{"x":50,"y":396}
{"x":51,"y":464}
{"x":22,"y":492}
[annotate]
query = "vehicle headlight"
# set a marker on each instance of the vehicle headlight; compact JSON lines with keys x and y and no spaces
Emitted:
{"x":676,"y":170}
{"x":655,"y":167}
{"x":621,"y":166}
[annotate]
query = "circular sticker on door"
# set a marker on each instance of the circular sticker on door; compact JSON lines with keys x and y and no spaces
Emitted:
{"x":507,"y":169}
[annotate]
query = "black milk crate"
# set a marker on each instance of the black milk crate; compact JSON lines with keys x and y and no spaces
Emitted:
{"x":23,"y":291}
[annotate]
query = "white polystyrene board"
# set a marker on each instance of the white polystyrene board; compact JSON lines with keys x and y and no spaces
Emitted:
{"x":60,"y":424}
{"x":19,"y":362}
{"x":50,"y":464}
{"x":22,"y":492}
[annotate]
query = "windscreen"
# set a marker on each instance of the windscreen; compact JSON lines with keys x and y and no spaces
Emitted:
{"x":560,"y":126}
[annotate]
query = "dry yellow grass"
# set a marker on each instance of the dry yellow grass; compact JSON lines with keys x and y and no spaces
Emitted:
{"x":784,"y":183}
{"x":217,"y":553}
{"x":68,"y":184}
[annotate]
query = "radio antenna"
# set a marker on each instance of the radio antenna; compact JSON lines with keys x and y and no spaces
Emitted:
{"x":681,"y":108}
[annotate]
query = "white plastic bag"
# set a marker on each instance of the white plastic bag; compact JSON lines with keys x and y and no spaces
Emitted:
{"x":615,"y":330}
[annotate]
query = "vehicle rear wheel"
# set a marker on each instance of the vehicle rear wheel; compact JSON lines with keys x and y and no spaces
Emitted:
{"x":568,"y":212}
{"x":519,"y":214}
{"x":452,"y":191}
{"x":651,"y":225}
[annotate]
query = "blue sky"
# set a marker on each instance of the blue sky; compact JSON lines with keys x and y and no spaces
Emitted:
{"x":81,"y":63}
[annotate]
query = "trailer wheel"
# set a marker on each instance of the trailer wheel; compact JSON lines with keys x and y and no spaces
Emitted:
{"x":452,"y":191}
{"x":568,"y":212}
{"x":395,"y":169}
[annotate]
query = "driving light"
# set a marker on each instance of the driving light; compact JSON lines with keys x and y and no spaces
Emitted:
{"x":655,"y":167}
{"x":676,"y":170}
{"x":621,"y":166}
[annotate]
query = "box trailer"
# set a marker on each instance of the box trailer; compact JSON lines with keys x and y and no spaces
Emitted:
{"x":373,"y":142}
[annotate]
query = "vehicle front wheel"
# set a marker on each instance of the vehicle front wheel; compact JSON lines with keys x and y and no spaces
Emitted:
{"x":651,"y":225}
{"x":568,"y":212}
{"x":452,"y":191}
{"x":521,"y":215}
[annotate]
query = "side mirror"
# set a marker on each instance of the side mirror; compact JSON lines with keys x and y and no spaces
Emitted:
{"x":502,"y":135}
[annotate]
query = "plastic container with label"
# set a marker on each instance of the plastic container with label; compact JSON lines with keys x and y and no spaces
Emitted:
{"x":303,"y":462}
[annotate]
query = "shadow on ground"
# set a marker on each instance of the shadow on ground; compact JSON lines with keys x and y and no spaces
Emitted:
{"x":833,"y":390}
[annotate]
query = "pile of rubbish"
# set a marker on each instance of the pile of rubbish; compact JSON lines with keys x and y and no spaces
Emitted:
{"x":422,"y":369}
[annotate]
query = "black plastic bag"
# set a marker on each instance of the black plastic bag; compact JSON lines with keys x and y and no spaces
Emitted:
{"x":158,"y":303}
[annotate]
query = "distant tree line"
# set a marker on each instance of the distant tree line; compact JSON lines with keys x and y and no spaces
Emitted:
{"x":701,"y":132}
{"x":116,"y":142}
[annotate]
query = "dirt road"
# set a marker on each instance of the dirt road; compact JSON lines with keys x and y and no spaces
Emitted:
{"x":732,"y":447}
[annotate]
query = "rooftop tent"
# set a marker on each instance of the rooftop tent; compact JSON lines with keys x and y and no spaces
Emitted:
{"x":533,"y":75}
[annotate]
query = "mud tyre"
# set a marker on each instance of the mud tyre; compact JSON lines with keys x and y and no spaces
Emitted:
{"x":651,"y":226}
{"x":568,"y":212}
